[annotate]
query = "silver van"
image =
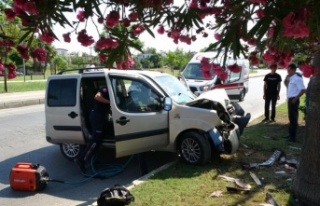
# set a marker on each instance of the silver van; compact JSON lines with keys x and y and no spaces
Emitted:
{"x":150,"y":111}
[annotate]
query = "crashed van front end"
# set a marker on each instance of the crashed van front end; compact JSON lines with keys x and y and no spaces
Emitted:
{"x":225,"y":134}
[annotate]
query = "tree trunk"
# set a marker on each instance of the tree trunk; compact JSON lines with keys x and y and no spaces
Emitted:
{"x":306,"y":185}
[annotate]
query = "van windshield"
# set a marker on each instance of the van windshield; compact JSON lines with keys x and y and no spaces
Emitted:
{"x":193,"y":71}
{"x":179,"y":92}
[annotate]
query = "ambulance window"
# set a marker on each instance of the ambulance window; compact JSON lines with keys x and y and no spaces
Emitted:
{"x":62,"y":93}
{"x":233,"y":77}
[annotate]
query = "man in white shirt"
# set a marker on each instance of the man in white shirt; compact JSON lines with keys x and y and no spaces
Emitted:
{"x":296,"y":89}
{"x":90,"y":66}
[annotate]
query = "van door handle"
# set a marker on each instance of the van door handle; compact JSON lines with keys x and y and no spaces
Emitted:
{"x":123,"y":120}
{"x":72,"y":114}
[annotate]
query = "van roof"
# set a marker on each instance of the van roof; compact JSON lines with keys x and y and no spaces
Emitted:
{"x":115,"y":71}
{"x":210,"y":54}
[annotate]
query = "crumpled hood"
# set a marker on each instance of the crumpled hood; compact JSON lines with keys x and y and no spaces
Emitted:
{"x":215,"y":95}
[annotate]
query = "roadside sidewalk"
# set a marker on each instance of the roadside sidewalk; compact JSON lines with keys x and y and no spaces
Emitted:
{"x":20,"y":99}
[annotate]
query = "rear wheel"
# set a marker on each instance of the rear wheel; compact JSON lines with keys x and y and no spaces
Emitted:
{"x":194,"y":148}
{"x":71,"y":151}
{"x":242,"y":94}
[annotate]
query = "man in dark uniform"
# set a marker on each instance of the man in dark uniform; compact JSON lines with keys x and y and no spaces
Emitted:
{"x":271,"y":91}
{"x":98,"y":118}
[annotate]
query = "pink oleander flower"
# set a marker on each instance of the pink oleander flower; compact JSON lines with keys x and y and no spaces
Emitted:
{"x":10,"y":14}
{"x":133,"y":16}
{"x":80,"y":16}
{"x":260,"y":13}
{"x":174,"y":34}
{"x":222,"y":74}
{"x":30,"y":7}
{"x":66,"y":37}
{"x":308,"y":70}
{"x":84,"y":39}
{"x":11,"y":67}
{"x":254,"y":60}
{"x":160,"y":29}
{"x":205,"y":65}
{"x":137,"y":29}
{"x":126,"y":22}
{"x":39,"y":54}
{"x":284,"y":60}
{"x":46,"y":37}
{"x":252,"y":42}
{"x":295,"y":26}
{"x":193,"y":4}
{"x":100,"y":20}
{"x":106,"y":43}
{"x":269,"y":58}
{"x":235,"y":68}
{"x":217,"y":36}
{"x":102,"y":58}
{"x":112,"y":19}
{"x":23,"y":51}
{"x":11,"y":74}
{"x":270,"y":32}
{"x":1,"y":68}
{"x":125,"y":64}
{"x":185,"y":39}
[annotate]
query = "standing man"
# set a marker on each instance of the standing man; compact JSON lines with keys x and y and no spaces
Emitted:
{"x":271,"y":91}
{"x":98,"y":117}
{"x":296,"y":89}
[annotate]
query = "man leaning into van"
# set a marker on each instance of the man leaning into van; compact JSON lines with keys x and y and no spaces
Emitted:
{"x":97,"y":120}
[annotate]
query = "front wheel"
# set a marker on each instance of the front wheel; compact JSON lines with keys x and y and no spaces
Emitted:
{"x":71,"y":151}
{"x":194,"y":148}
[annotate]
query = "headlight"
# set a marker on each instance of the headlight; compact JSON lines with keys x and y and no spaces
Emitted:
{"x":227,"y":101}
{"x":204,"y":88}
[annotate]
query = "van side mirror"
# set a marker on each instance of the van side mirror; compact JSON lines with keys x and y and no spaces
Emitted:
{"x":167,"y":106}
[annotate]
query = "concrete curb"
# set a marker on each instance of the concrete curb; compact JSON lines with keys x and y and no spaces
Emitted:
{"x":15,"y":104}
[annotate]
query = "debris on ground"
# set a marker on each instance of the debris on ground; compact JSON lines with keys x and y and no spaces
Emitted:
{"x":270,"y":199}
{"x":255,"y":178}
{"x":239,"y":184}
{"x":274,"y":157}
{"x":217,"y":193}
{"x":248,"y":153}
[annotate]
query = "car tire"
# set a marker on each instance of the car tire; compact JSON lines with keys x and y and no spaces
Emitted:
{"x":194,"y":149}
{"x":242,"y":94}
{"x":71,"y":151}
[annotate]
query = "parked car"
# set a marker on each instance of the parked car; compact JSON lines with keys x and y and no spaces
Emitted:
{"x":150,"y":111}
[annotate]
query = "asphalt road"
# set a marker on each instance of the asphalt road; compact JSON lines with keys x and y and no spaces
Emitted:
{"x":23,"y":140}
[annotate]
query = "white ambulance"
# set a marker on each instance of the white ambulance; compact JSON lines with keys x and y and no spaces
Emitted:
{"x":236,"y":85}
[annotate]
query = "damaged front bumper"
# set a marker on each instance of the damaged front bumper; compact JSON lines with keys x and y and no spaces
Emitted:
{"x":225,"y":141}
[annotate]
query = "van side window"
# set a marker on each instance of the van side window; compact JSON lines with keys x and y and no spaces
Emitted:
{"x":62,"y":93}
{"x":135,"y":96}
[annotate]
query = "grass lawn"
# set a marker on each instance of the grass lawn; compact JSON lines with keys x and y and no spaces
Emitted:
{"x":183,"y":184}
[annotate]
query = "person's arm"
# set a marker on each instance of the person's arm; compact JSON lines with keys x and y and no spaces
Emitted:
{"x":101,"y":99}
{"x":264,"y":89}
{"x":298,"y":96}
{"x":278,"y":89}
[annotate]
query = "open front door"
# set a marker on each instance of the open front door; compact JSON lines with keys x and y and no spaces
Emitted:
{"x":63,"y":118}
{"x":140,"y":123}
